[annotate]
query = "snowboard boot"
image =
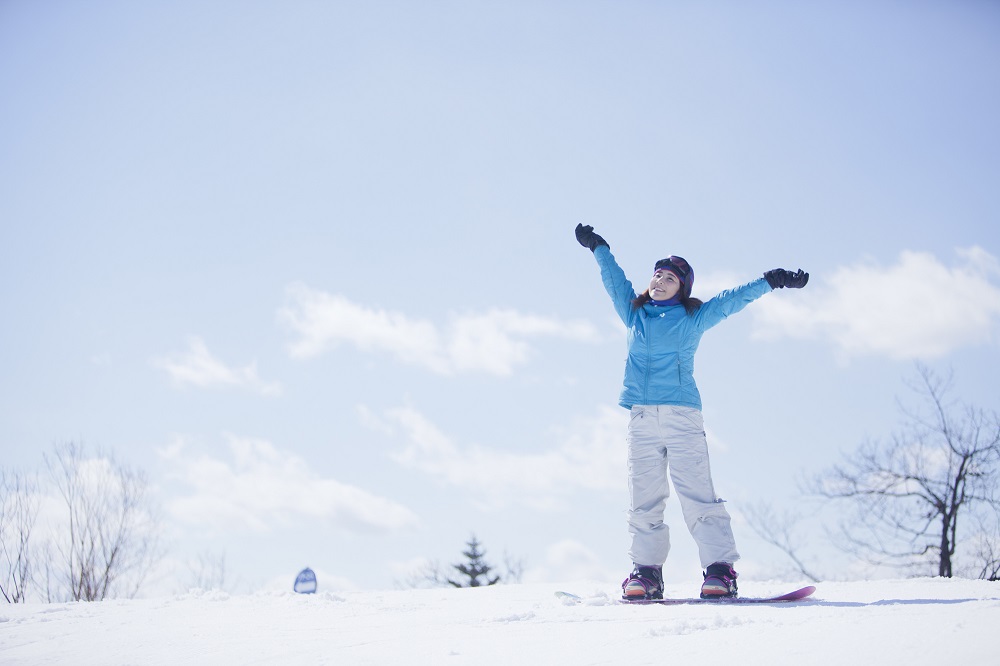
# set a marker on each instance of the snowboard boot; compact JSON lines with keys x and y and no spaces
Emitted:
{"x":720,"y":581}
{"x":643,"y":583}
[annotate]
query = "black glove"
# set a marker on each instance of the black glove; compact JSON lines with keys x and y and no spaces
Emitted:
{"x":779,"y":278}
{"x":587,"y":238}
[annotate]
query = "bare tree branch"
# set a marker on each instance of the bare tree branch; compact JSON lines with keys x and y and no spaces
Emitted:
{"x":914,"y":495}
{"x":112,"y":534}
{"x":208,"y":571}
{"x":18,"y":513}
{"x":779,"y":532}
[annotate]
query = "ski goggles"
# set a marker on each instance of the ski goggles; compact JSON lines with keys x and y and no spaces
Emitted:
{"x":676,"y":265}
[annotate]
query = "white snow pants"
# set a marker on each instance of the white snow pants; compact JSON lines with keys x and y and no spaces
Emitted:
{"x":662,"y":437}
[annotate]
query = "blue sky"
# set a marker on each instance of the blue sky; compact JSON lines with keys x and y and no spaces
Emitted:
{"x":312,"y":266}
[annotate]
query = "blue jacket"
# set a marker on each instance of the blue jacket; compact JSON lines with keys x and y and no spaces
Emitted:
{"x":662,"y":340}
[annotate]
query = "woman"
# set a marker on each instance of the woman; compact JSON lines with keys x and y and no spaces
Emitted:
{"x":666,"y":432}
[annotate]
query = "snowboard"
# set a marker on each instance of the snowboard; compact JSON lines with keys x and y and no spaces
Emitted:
{"x":795,"y":595}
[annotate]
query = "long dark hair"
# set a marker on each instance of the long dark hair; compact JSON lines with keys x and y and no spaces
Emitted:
{"x":691,"y":305}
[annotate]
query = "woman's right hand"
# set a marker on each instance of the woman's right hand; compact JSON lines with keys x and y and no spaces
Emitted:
{"x":586,"y":237}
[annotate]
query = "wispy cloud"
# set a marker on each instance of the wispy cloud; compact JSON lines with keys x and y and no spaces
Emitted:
{"x":591,"y":456}
{"x":197,"y":367}
{"x":917,"y":308}
{"x":494,"y":342}
{"x":569,"y":560}
{"x":259,"y":487}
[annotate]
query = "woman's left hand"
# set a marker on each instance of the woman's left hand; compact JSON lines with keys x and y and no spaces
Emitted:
{"x":779,"y":278}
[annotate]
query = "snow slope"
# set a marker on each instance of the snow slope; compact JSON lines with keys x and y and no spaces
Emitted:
{"x":917,"y":621}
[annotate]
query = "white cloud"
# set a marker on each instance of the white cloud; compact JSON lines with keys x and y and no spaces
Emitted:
{"x":569,"y":560}
{"x":197,"y":367}
{"x":592,"y":457}
{"x":917,"y":308}
{"x":261,"y":488}
{"x":493,"y":342}
{"x":708,"y":285}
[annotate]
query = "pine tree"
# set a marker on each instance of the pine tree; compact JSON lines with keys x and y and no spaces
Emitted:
{"x":475,"y":568}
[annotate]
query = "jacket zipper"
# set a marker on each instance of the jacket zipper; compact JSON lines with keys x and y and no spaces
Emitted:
{"x":645,"y":384}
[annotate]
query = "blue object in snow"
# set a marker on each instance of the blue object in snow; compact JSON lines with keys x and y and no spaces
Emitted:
{"x":305,"y":582}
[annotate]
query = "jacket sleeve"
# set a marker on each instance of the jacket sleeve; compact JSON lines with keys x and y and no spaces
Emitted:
{"x":730,"y":302}
{"x":615,"y":282}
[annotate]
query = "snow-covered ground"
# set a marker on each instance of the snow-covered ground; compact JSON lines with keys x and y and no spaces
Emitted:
{"x":917,"y":621}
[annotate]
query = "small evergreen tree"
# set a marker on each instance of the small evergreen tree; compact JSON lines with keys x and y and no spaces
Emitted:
{"x":475,"y":569}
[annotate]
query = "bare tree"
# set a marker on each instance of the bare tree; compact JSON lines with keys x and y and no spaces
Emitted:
{"x":427,"y":574}
{"x":208,"y":571}
{"x":780,"y":532}
{"x":112,"y":537}
{"x":987,"y":547}
{"x":513,"y":569}
{"x":18,"y":512}
{"x":918,"y":497}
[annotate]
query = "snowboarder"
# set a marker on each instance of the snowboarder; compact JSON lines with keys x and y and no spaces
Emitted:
{"x":666,"y":430}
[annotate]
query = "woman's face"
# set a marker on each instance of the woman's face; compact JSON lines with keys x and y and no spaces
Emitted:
{"x":664,"y":285}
